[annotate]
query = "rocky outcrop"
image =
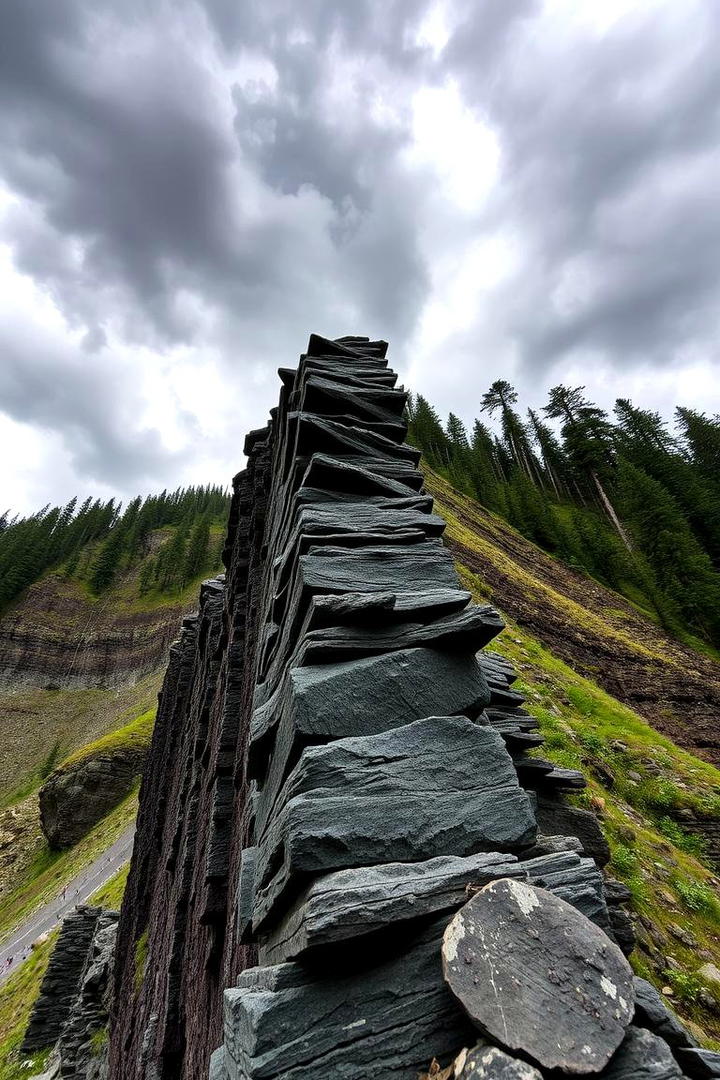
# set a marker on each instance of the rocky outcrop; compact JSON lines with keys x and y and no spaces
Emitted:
{"x":59,"y":988}
{"x":340,"y":771}
{"x":78,"y":1015}
{"x":56,"y":638}
{"x":76,"y":797}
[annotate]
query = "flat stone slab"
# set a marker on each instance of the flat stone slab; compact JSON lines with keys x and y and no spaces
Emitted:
{"x":538,"y":977}
{"x":699,"y":1063}
{"x":643,"y":1056}
{"x":439,"y":786}
{"x":387,"y":1018}
{"x":352,"y":903}
{"x":652,"y":1012}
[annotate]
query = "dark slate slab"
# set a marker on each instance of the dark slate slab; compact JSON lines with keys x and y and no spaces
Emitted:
{"x":486,"y":1062}
{"x":538,"y":977}
{"x":379,"y":568}
{"x":558,"y":819}
{"x":699,"y":1063}
{"x":439,"y":786}
{"x":356,"y":698}
{"x":643,"y":1056}
{"x":464,"y":632}
{"x":388,"y":1019}
{"x":352,"y":903}
{"x":652,"y":1012}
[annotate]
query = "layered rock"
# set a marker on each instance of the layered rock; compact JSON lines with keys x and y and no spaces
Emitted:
{"x":75,"y":798}
{"x":336,"y":770}
{"x":59,"y":988}
{"x":55,"y":639}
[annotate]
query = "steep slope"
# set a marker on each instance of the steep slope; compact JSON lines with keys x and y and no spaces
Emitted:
{"x":594,"y":630}
{"x":75,"y":665}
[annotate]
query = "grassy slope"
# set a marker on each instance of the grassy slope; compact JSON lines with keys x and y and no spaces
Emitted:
{"x":43,"y":727}
{"x":596,"y":631}
{"x":640,"y":781}
{"x":50,"y":870}
{"x":18,"y":994}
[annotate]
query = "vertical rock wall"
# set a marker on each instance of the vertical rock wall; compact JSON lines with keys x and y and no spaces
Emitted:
{"x":337,"y":765}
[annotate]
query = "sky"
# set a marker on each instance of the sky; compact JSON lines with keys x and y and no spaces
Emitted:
{"x":518,"y":189}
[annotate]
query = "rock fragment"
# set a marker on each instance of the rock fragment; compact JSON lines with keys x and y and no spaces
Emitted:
{"x":643,"y":1056}
{"x":538,"y":977}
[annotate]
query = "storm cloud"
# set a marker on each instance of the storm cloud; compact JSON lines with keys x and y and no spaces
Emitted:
{"x":523,"y":189}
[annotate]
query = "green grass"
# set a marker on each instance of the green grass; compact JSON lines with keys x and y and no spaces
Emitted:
{"x":111,"y":893}
{"x":133,"y":736}
{"x":17,"y":996}
{"x":42,"y":727}
{"x":50,"y":870}
{"x":19,"y":992}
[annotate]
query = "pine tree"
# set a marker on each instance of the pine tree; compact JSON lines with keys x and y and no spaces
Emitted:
{"x":503,"y":396}
{"x":108,"y":561}
{"x":197,"y":549}
{"x":588,"y":441}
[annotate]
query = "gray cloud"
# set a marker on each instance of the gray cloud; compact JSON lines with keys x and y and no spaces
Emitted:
{"x":609,"y":175}
{"x":219,"y":178}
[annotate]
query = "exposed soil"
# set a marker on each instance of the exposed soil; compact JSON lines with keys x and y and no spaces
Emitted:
{"x":594,"y":630}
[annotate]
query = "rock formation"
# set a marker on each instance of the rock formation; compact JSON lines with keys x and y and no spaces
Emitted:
{"x":76,"y":797}
{"x":55,"y":639}
{"x":339,"y":766}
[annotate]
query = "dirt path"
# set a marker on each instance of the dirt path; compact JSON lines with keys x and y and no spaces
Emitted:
{"x":77,"y":891}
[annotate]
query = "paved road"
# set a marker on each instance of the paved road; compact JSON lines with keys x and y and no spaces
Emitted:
{"x":77,"y":891}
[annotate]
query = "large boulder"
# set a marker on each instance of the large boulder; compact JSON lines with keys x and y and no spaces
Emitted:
{"x":537,"y":977}
{"x":74,"y":798}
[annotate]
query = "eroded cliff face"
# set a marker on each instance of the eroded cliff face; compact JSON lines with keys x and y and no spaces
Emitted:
{"x":58,"y":637}
{"x":338,"y":764}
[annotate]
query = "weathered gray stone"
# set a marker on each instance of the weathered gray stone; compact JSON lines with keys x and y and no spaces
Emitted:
{"x":652,"y":1012}
{"x":365,"y":697}
{"x":557,"y":818}
{"x":358,"y":698}
{"x":699,"y":1063}
{"x":538,"y":977}
{"x":439,"y":786}
{"x":360,"y":901}
{"x":388,"y":1018}
{"x":642,"y":1056}
{"x":486,"y":1062}
{"x":217,"y":1065}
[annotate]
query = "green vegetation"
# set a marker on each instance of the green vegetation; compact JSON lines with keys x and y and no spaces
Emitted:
{"x":133,"y":736}
{"x":42,"y":727}
{"x":637,"y":779}
{"x":17,"y":996}
{"x":628,"y":502}
{"x":112,"y":892}
{"x":98,"y":541}
{"x":43,"y":879}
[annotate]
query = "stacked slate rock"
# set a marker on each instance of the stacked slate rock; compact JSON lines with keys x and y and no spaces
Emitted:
{"x":340,"y":769}
{"x":390,"y":766}
{"x":60,"y":985}
{"x":79,"y":1056}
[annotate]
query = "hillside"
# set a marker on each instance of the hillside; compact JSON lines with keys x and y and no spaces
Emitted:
{"x":592,"y":628}
{"x":80,"y":676}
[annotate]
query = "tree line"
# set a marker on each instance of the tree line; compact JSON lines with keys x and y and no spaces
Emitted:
{"x":98,"y":540}
{"x":626,"y":498}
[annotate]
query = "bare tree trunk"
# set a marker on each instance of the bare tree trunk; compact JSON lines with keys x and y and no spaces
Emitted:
{"x":610,"y":511}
